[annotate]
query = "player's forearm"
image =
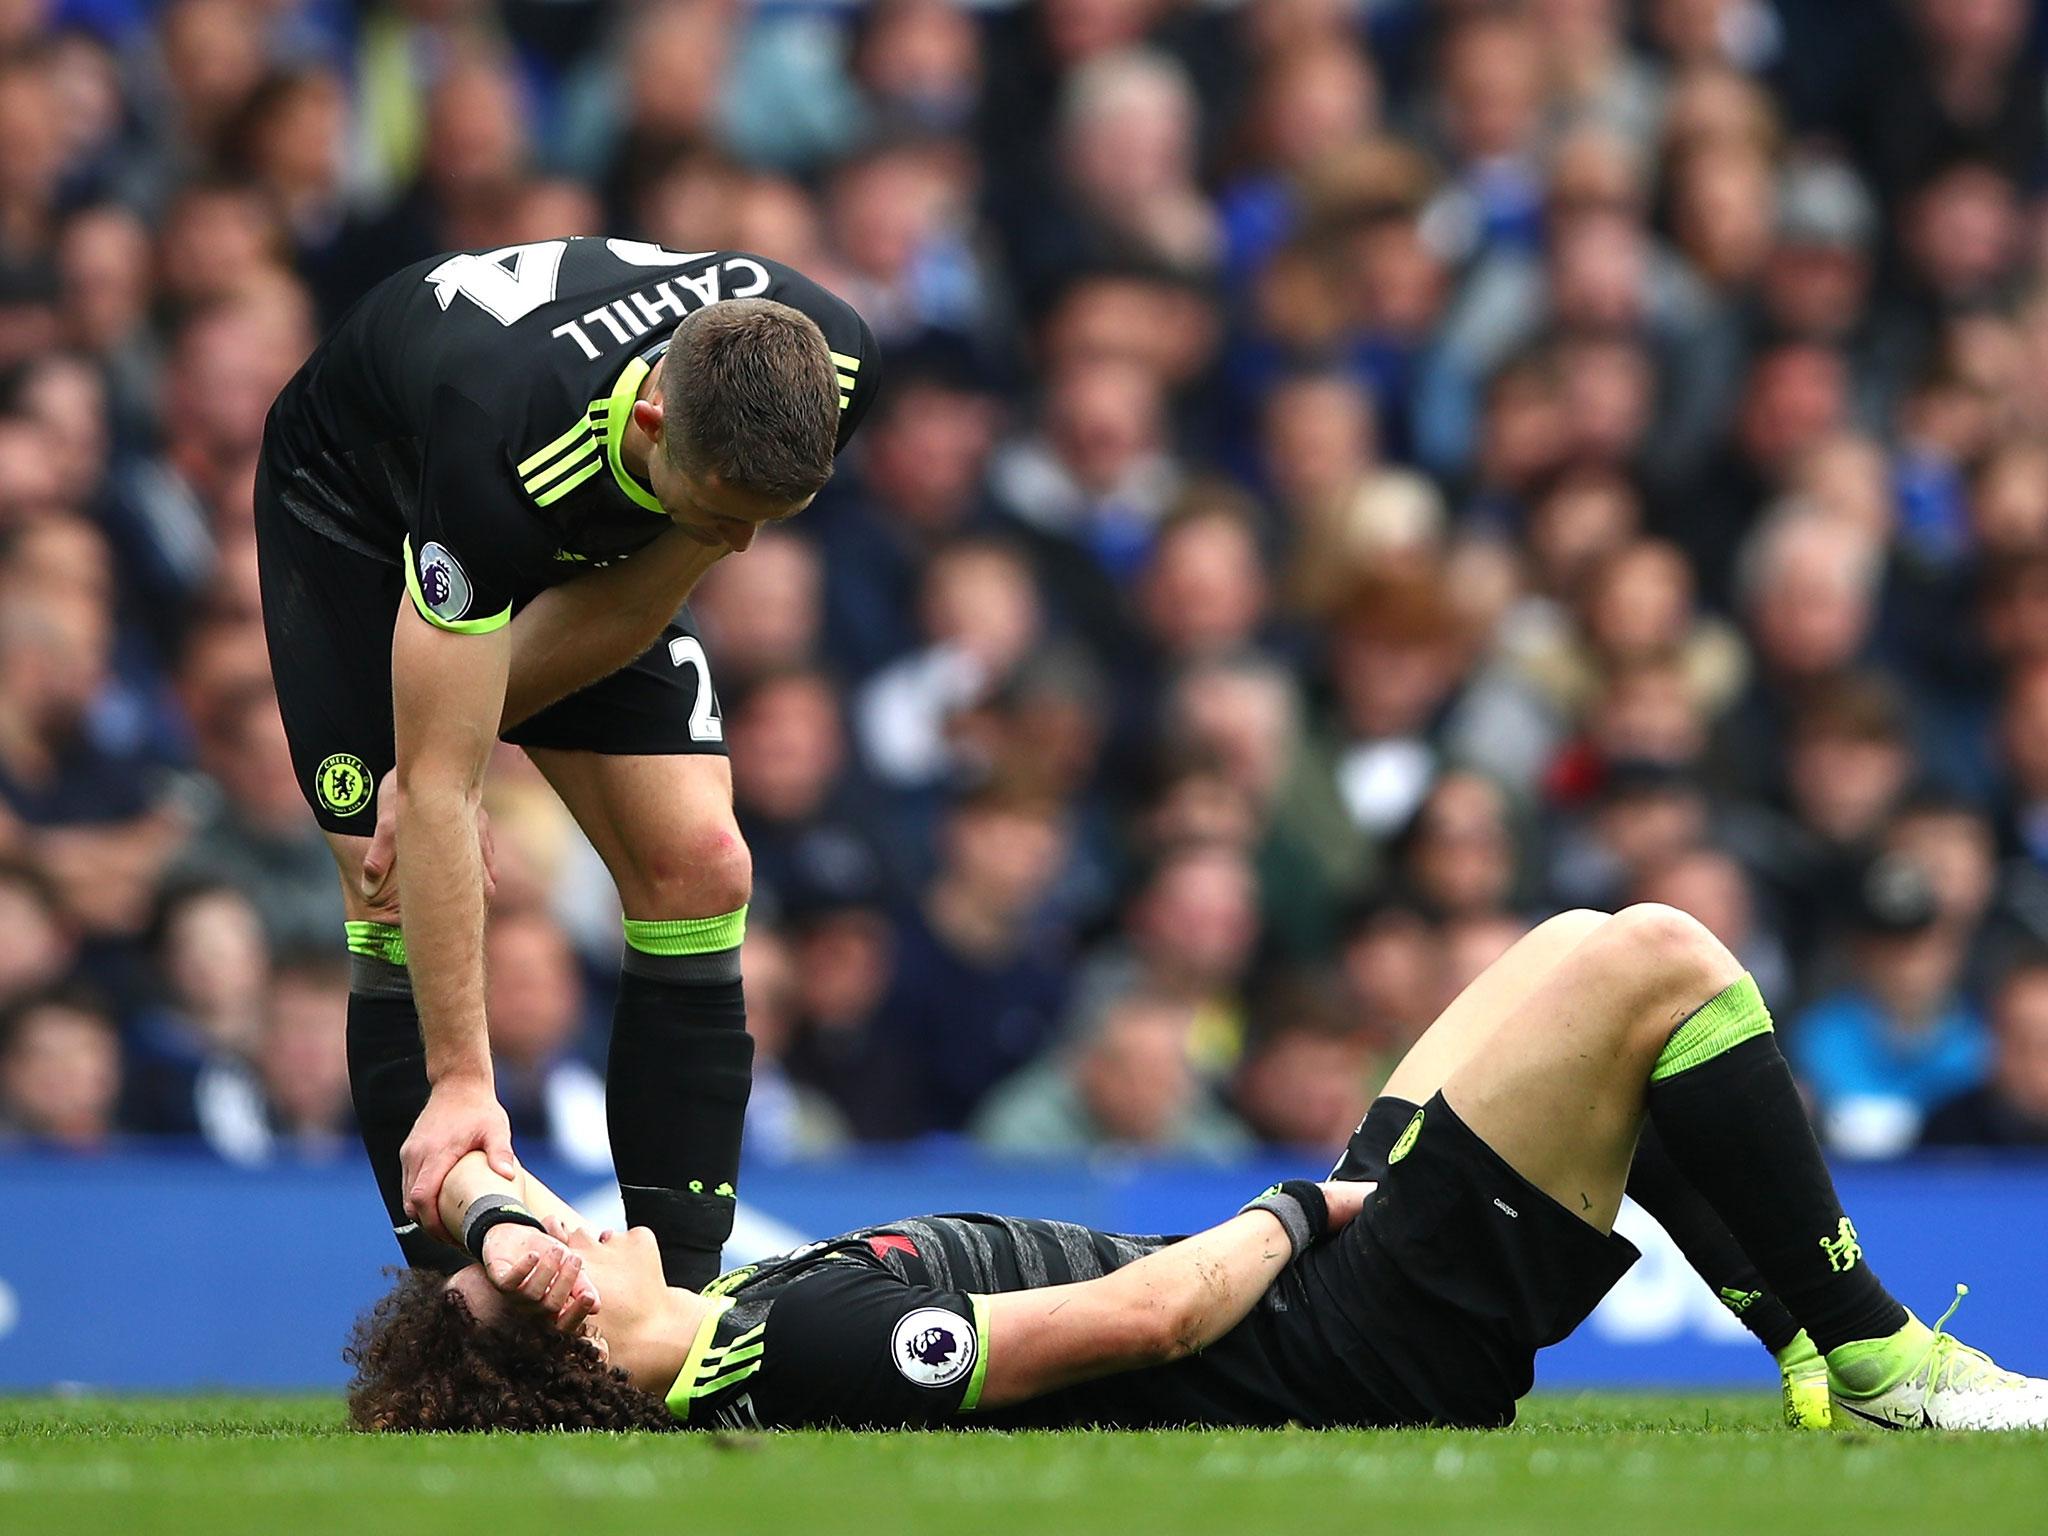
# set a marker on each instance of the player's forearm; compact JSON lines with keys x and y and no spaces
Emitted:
{"x":573,"y":634}
{"x":1202,"y":1287}
{"x":1159,"y":1309}
{"x":473,"y":1177}
{"x":441,"y":893}
{"x":469,"y":1181}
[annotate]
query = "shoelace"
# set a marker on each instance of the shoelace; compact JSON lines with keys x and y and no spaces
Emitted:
{"x":1954,"y":1364}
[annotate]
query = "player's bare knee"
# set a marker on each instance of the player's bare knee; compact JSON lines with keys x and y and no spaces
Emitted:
{"x":1574,"y":926}
{"x":702,"y":870}
{"x":1673,"y":953}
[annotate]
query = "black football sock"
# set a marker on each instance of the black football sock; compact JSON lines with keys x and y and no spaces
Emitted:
{"x":1365,"y":1158}
{"x":387,"y":1077}
{"x":1723,"y":1100}
{"x":1655,"y":1184}
{"x":676,"y":1086}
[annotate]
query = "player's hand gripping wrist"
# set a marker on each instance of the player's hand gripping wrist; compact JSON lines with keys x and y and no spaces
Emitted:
{"x":462,"y":1116}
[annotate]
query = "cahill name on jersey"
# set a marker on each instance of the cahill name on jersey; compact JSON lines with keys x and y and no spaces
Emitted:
{"x":465,"y":418}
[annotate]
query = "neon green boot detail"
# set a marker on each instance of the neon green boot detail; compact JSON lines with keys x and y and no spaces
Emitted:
{"x":1925,"y":1378}
{"x":1804,"y":1386}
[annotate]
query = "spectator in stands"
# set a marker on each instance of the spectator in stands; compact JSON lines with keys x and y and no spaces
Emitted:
{"x":979,"y":982}
{"x":299,"y":1104}
{"x":2010,"y":1108}
{"x":197,"y":1041}
{"x":60,"y":1073}
{"x":1204,"y":591}
{"x":1304,"y":1083}
{"x":1125,"y":1085}
{"x":1318,"y":442}
{"x":920,"y":483}
{"x":765,"y":617}
{"x":1848,"y":765}
{"x":1955,"y":846}
{"x":1088,"y":487}
{"x":1491,"y":115}
{"x":794,"y":796}
{"x":103,"y":261}
{"x":1391,"y":962}
{"x":918,"y":63}
{"x":472,"y":153}
{"x":1397,"y":657}
{"x":1314,"y":96}
{"x":533,"y":997}
{"x":843,"y":949}
{"x":896,"y":217}
{"x":37,"y":948}
{"x":980,"y":617}
{"x":1127,"y":139}
{"x":76,"y":774}
{"x":1884,"y":1049}
{"x":786,"y":1118}
{"x":1189,"y":935}
{"x":1459,"y":856}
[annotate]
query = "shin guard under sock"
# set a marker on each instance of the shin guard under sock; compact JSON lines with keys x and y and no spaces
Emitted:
{"x":1655,"y":1184}
{"x":387,"y":1077}
{"x":1723,"y":1100}
{"x":676,"y":1086}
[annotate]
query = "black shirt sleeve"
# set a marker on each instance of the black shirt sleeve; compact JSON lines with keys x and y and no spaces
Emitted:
{"x":860,"y":1348}
{"x":472,"y":543}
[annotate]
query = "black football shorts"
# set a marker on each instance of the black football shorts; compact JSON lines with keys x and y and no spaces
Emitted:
{"x":1454,"y":1275}
{"x":328,"y":611}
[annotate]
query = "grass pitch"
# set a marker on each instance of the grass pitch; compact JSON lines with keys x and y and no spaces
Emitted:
{"x":1576,"y":1464}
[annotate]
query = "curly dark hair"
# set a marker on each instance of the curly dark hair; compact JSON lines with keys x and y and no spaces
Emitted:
{"x":424,"y":1362}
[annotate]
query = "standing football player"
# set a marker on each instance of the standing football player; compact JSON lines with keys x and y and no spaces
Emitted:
{"x":481,"y":505}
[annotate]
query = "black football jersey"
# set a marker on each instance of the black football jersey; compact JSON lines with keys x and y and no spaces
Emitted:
{"x":886,"y":1328}
{"x":464,"y":418}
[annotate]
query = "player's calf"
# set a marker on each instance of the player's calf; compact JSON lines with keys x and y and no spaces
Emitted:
{"x":681,"y":1066}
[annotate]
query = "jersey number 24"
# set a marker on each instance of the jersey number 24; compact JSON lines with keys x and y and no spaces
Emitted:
{"x":510,"y":283}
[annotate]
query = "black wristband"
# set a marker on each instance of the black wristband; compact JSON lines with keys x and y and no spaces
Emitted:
{"x":1300,"y":1208}
{"x":488,"y":1211}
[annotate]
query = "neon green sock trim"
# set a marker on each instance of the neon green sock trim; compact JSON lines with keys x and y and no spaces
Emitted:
{"x":1799,"y":1352}
{"x":1865,"y":1367}
{"x":1735,"y":1015}
{"x":687,"y":935}
{"x":379,"y":941}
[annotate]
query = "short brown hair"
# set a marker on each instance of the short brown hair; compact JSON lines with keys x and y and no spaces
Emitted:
{"x":751,"y":395}
{"x":423,"y":1362}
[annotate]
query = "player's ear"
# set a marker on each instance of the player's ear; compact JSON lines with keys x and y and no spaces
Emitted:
{"x":647,"y":417}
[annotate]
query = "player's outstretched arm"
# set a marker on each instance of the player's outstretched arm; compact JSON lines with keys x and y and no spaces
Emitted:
{"x":573,"y":634}
{"x":447,"y":693}
{"x":1163,"y":1307}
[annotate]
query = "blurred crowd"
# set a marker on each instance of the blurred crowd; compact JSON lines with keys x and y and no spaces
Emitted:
{"x":1353,"y":477}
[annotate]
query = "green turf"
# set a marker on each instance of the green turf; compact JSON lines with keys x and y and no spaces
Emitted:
{"x":1578,"y":1465}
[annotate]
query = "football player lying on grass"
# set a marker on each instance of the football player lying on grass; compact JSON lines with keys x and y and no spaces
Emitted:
{"x":1501,"y":1152}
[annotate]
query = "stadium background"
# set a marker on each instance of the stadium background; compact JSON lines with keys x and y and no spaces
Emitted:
{"x":1353,"y":478}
